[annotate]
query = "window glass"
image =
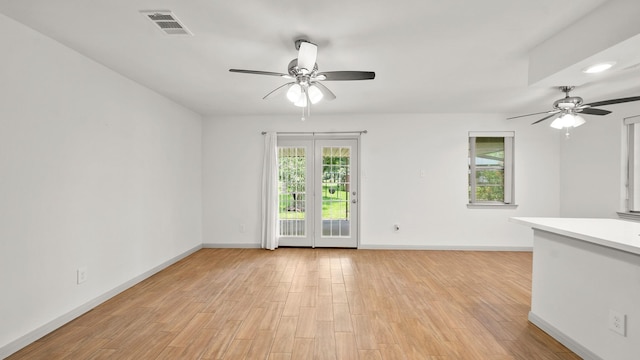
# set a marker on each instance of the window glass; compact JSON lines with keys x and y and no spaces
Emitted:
{"x":489,"y":161}
{"x":491,"y":168}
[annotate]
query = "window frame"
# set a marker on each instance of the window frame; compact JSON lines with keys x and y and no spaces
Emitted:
{"x":629,"y":212}
{"x":508,"y":168}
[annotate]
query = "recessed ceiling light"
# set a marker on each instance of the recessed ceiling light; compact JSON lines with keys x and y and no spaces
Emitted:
{"x":598,"y":68}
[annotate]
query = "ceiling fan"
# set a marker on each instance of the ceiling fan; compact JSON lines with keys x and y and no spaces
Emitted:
{"x":565,"y":111}
{"x":306,"y":88}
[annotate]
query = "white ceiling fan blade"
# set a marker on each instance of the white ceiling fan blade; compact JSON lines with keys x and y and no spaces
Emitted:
{"x":280,"y":89}
{"x":326,"y":93}
{"x":307,"y":55}
{"x":257,"y":72}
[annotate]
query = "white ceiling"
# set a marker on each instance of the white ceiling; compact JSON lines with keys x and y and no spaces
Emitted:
{"x":430,"y":56}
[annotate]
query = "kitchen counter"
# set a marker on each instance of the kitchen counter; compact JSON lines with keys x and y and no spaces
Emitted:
{"x":585,"y":272}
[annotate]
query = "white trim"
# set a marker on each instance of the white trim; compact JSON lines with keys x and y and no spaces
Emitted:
{"x":472,"y":169}
{"x":444,"y":247}
{"x":491,"y":206}
{"x":564,"y":339}
{"x":630,"y":171}
{"x":231,"y":246}
{"x":508,"y":169}
{"x":631,"y":216}
{"x":492,"y":133}
{"x":632,"y":120}
{"x":58,"y":322}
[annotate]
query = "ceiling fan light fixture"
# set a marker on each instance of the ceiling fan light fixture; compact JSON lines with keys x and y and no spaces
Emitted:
{"x":315,"y":95}
{"x":302,"y":101}
{"x":598,"y":68}
{"x":294,"y":93}
{"x":567,"y":120}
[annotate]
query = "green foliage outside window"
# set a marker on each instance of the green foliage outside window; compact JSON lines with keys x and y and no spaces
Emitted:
{"x":490,"y":185}
{"x":489,"y":169}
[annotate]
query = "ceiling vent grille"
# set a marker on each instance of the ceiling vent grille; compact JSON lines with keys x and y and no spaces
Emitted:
{"x":167,"y":22}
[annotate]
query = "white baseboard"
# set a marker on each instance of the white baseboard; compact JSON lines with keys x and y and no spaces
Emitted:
{"x":565,"y":340}
{"x":56,"y":323}
{"x":443,"y":247}
{"x":385,"y":247}
{"x":232,"y":246}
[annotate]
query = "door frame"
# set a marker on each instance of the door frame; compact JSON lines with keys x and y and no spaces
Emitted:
{"x":309,"y":142}
{"x":336,"y":241}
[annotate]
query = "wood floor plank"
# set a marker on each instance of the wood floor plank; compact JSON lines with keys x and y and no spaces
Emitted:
{"x":363,"y":329}
{"x":339,"y":293}
{"x":251,"y":324}
{"x":285,"y":334}
{"x":220,"y":343}
{"x":392,"y":352}
{"x":102,"y":354}
{"x":325,"y":341}
{"x":346,"y":347}
{"x":194,"y":327}
{"x":309,"y":296}
{"x":279,"y":356}
{"x":302,"y":349}
{"x":261,"y":345}
{"x":324,"y":308}
{"x":272,"y":314}
{"x":342,"y":318}
{"x":306,"y":327}
{"x":238,"y":349}
{"x":369,"y":355}
{"x":316,"y":303}
{"x":292,"y":305}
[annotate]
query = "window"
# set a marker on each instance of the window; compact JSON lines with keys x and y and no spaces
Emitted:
{"x":633,"y":164}
{"x":491,"y":168}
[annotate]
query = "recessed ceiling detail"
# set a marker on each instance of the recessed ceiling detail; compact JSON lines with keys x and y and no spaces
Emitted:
{"x":166,"y":21}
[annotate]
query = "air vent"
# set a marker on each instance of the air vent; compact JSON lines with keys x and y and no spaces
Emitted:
{"x":166,"y":21}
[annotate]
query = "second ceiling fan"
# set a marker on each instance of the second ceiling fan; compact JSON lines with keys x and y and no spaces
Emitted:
{"x":306,"y":87}
{"x":565,"y":111}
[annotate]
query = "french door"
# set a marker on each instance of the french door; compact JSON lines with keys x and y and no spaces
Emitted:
{"x":318,"y":192}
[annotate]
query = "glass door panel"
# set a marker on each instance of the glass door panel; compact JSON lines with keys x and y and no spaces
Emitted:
{"x":336,"y":182}
{"x":294,"y":187}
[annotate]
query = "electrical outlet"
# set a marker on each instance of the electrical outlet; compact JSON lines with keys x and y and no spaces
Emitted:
{"x":618,"y":322}
{"x":242,"y":228}
{"x":82,"y":275}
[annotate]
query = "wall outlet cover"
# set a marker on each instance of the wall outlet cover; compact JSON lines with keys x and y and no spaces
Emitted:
{"x":618,"y":322}
{"x":82,"y":275}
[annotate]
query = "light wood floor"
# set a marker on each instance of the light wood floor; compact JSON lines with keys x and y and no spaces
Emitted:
{"x":316,"y":304}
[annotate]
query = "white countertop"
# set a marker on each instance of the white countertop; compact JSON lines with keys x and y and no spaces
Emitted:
{"x":617,"y":234}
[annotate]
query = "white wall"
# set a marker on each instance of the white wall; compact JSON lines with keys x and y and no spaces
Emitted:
{"x":432,"y":211}
{"x":95,"y":171}
{"x":593,"y":165}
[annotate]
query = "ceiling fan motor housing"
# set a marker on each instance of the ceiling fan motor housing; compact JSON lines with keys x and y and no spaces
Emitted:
{"x":294,"y":70}
{"x":569,"y":102}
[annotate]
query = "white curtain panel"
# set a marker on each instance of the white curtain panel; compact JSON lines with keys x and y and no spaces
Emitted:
{"x":270,"y":226}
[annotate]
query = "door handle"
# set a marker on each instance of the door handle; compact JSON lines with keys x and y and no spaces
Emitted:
{"x":354,"y":201}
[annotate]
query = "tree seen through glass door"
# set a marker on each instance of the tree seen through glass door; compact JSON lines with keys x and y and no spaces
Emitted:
{"x":336,"y":197}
